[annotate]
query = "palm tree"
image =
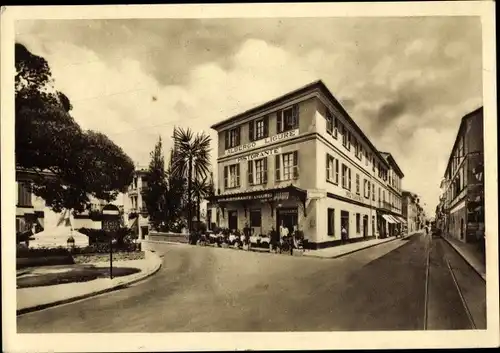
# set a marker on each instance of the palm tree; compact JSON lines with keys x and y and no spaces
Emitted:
{"x":191,"y":160}
{"x":202,"y":188}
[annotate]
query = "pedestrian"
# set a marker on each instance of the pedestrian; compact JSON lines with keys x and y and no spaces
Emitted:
{"x":343,"y":234}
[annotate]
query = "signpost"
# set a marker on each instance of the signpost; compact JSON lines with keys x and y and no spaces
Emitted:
{"x":110,"y":224}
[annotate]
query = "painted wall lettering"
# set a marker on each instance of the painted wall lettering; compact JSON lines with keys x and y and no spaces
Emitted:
{"x":260,"y":143}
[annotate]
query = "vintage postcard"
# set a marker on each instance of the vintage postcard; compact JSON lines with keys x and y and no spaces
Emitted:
{"x":249,"y":176}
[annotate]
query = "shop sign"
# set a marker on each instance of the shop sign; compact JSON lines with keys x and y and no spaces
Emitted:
{"x":265,"y":197}
{"x":261,"y":143}
{"x":353,"y":196}
{"x":260,"y":154}
{"x":283,"y":211}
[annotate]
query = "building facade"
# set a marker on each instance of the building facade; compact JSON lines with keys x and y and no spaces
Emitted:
{"x":33,"y":214}
{"x":136,"y":213}
{"x":410,"y":210}
{"x":463,"y":182}
{"x":301,"y":162}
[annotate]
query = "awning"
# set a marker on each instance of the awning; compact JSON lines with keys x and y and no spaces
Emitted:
{"x":388,"y":218}
{"x":402,"y":220}
{"x":395,"y":219}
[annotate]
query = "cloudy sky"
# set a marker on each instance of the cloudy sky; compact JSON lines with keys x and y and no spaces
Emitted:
{"x":406,"y":81}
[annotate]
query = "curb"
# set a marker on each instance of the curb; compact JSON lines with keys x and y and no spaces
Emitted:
{"x":480,"y":274}
{"x":91,"y":294}
{"x":359,"y":249}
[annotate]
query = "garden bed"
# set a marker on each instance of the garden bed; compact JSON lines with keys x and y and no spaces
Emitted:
{"x":117,"y":256}
{"x":72,"y":275}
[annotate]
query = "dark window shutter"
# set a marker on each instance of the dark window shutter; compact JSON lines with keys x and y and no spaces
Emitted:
{"x":295,"y":164}
{"x":278,"y":166}
{"x":328,"y":171}
{"x":330,"y":217}
{"x":250,"y":172}
{"x":295,"y":113}
{"x":265,"y":171}
{"x":238,"y":130}
{"x":349,"y":177}
{"x":279,"y":122}
{"x":238,"y":174}
{"x":227,"y":138}
{"x":251,"y":130}
{"x":266,"y":126}
{"x":225,"y":177}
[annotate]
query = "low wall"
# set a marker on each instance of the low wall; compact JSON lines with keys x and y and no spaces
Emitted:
{"x":117,"y":256}
{"x":24,"y":262}
{"x":174,"y":237}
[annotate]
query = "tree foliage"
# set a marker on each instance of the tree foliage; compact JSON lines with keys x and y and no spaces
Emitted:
{"x":191,"y":160}
{"x":156,"y":192}
{"x":82,"y":163}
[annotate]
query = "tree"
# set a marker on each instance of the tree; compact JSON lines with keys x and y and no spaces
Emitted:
{"x":156,"y":194}
{"x":81,"y":163}
{"x":191,"y":160}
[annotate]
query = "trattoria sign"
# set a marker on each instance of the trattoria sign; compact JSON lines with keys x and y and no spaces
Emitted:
{"x":353,"y":196}
{"x":268,"y":196}
{"x":263,"y":142}
{"x":261,"y":154}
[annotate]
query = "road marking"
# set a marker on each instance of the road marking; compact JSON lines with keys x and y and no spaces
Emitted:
{"x":462,"y":298}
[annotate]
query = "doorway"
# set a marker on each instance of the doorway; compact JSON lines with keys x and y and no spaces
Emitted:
{"x":287,"y":217}
{"x":344,"y":222}
{"x":365,"y":226}
{"x":232,"y":220}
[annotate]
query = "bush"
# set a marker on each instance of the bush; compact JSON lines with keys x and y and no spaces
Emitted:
{"x":25,"y":252}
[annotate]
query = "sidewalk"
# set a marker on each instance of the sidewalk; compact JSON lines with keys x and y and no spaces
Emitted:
{"x":38,"y":298}
{"x":342,"y":250}
{"x":470,"y":253}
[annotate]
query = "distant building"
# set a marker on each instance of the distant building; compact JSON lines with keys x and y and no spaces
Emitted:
{"x":32,"y":212}
{"x":136,"y":212}
{"x":410,"y":210}
{"x":299,"y":161}
{"x":462,"y":205}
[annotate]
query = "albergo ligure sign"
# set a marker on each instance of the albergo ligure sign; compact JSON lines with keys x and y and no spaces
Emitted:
{"x":262,"y":143}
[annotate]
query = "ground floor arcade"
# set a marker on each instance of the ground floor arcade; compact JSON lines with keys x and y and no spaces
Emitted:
{"x":321,"y":216}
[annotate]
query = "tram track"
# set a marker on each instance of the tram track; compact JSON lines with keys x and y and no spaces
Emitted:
{"x":439,"y":268}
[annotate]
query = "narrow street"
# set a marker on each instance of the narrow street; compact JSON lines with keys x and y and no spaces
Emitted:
{"x":211,"y":289}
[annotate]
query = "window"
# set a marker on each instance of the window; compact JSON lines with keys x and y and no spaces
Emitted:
{"x":335,"y":127}
{"x":349,"y":140}
{"x":367,"y":189}
{"x":373,"y":163}
{"x":358,"y":223}
{"x":288,"y":119}
{"x":232,"y":176}
{"x":332,"y":169}
{"x":345,"y":137}
{"x":373,"y":191}
{"x":329,"y":122}
{"x":331,"y":221}
{"x":287,"y":166}
{"x":357,"y":184}
{"x":356,"y":147}
{"x":255,"y":218}
{"x":367,"y":158}
{"x":258,"y":129}
{"x":344,"y":176}
{"x":24,"y":194}
{"x":257,"y":171}
{"x":233,"y":137}
{"x":383,"y":195}
{"x":378,"y":195}
{"x":349,"y":177}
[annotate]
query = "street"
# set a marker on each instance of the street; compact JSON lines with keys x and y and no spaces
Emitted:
{"x":202,"y":289}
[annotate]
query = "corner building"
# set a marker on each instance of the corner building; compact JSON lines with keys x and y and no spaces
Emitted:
{"x":300,"y":161}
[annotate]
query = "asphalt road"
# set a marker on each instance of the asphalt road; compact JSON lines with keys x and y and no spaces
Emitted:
{"x":210,"y":289}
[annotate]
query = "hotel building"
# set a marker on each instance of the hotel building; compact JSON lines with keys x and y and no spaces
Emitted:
{"x":301,"y":162}
{"x":463,"y":182}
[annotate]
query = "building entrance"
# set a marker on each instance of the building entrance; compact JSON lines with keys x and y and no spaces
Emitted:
{"x":287,"y":217}
{"x":344,"y":223}
{"x":365,"y":226}
{"x":232,"y":220}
